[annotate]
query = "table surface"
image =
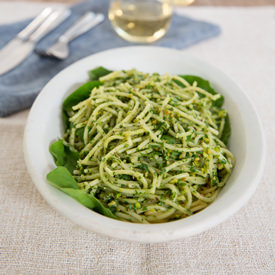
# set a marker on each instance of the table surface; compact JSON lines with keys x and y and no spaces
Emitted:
{"x":35,"y":239}
{"x":197,"y":2}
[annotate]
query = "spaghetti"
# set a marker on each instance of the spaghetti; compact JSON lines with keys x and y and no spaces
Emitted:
{"x":150,"y":146}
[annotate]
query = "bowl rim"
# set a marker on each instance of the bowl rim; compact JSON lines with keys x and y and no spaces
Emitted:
{"x":132,"y":231}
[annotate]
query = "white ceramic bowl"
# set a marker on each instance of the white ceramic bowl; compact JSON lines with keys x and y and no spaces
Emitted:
{"x":247,"y":142}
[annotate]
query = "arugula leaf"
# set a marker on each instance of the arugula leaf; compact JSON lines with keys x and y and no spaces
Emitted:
{"x":80,"y":94}
{"x":65,"y":120}
{"x":204,"y":84}
{"x":62,"y":179}
{"x":226,"y":130}
{"x":83,"y":92}
{"x":63,"y":155}
{"x":98,"y":72}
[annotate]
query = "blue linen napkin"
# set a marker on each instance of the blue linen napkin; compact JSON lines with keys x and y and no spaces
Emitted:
{"x":19,"y":87}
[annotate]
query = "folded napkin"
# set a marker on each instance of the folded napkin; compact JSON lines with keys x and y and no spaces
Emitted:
{"x":19,"y":87}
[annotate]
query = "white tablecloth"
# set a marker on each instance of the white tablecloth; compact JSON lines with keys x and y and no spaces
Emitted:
{"x":34,"y":239}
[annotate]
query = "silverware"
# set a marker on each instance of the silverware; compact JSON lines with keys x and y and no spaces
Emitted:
{"x":23,"y":44}
{"x":60,"y":50}
{"x":35,"y":23}
{"x":22,"y":36}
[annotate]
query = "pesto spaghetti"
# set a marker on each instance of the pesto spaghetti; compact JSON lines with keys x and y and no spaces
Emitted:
{"x":150,"y":148}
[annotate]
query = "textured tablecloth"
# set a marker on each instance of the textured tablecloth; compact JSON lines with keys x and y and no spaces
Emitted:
{"x":34,"y":239}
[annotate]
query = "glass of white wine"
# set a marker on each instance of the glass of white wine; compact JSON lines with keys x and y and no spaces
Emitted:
{"x":142,"y":21}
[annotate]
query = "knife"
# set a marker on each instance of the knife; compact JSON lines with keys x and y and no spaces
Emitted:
{"x":23,"y":44}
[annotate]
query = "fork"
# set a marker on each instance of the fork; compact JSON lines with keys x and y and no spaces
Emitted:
{"x":60,"y":49}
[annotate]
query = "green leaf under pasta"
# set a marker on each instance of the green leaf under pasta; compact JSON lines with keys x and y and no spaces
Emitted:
{"x":62,"y":179}
{"x":80,"y":94}
{"x":98,"y":72}
{"x":226,"y":131}
{"x":63,"y":155}
{"x":204,"y":84}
